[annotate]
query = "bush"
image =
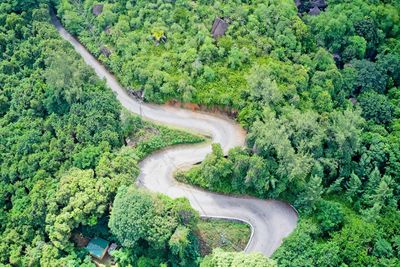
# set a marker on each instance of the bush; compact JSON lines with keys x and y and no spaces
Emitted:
{"x":330,"y":216}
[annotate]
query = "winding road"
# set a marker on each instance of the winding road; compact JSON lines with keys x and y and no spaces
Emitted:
{"x":270,"y":220}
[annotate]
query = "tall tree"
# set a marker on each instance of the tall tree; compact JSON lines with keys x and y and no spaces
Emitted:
{"x":137,"y":215}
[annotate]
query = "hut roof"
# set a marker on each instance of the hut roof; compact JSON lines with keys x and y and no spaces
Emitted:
{"x":108,"y":30}
{"x":97,"y":247}
{"x":105,"y":51}
{"x":112,"y":248}
{"x":314,"y":11}
{"x":97,"y":9}
{"x":320,"y":3}
{"x":219,"y":27}
{"x":337,"y":57}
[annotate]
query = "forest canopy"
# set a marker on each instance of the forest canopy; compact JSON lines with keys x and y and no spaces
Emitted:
{"x":318,"y":93}
{"x":62,"y":137}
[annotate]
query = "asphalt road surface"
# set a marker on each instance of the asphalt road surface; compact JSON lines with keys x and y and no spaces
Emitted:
{"x":270,"y":220}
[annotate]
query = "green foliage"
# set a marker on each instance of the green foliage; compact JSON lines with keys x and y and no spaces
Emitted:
{"x":311,"y":195}
{"x":79,"y":199}
{"x":353,"y":187}
{"x":357,"y":243}
{"x":214,"y":172}
{"x":220,"y":258}
{"x":61,"y":132}
{"x":376,"y":107}
{"x":118,"y":168}
{"x":369,"y":76}
{"x":150,"y":137}
{"x":330,"y":216}
{"x":187,"y":65}
{"x":137,"y":215}
{"x":306,"y":140}
{"x":140,"y":219}
{"x":306,"y":143}
{"x":147,"y":137}
{"x":263,"y":90}
{"x":55,"y":114}
{"x":179,"y":241}
{"x":183,"y":247}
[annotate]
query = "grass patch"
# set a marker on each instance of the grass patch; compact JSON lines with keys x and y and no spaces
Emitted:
{"x":146,"y":137}
{"x":225,"y":234}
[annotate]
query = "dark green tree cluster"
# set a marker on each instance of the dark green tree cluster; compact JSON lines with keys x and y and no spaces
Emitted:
{"x":319,"y":96}
{"x":152,"y":228}
{"x":340,"y":237}
{"x":61,"y":133}
{"x":59,"y":128}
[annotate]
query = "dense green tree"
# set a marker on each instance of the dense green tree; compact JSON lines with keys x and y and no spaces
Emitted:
{"x":298,"y":248}
{"x":216,"y":168}
{"x":146,"y":223}
{"x":330,"y":216}
{"x":183,"y":247}
{"x":376,"y":107}
{"x":79,"y":199}
{"x":353,"y":187}
{"x":311,"y":195}
{"x":263,"y":89}
{"x":369,"y":77}
{"x":327,"y":254}
{"x":343,"y":138}
{"x":56,"y":114}
{"x":355,"y":49}
{"x":137,"y":215}
{"x":220,"y":258}
{"x":383,"y":248}
{"x":118,"y":168}
{"x":389,"y":62}
{"x":288,"y":77}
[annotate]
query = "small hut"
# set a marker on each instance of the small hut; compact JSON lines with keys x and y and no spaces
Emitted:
{"x":112,"y":248}
{"x":315,"y":11}
{"x":105,"y":51}
{"x":159,"y":36}
{"x":108,"y":30}
{"x":98,"y":247}
{"x":312,"y":7}
{"x":320,"y":4}
{"x":97,"y":9}
{"x":353,"y":100}
{"x":219,"y":27}
{"x":338,"y":60}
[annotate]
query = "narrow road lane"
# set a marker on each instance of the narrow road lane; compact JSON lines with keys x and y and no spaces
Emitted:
{"x":271,"y":220}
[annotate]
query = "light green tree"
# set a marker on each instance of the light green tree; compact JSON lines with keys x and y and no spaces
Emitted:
{"x":220,"y":258}
{"x":79,"y":199}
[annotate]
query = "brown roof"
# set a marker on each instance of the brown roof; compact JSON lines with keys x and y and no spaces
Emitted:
{"x":97,"y":9}
{"x":219,"y":27}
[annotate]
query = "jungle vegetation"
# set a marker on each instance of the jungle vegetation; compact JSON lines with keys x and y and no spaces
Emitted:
{"x":319,"y":96}
{"x":64,"y":157}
